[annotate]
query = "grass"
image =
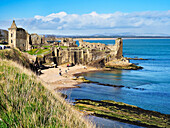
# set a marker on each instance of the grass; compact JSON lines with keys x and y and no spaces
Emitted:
{"x":39,"y":51}
{"x":27,"y":102}
{"x":124,"y":112}
{"x":43,"y":51}
{"x":47,"y":46}
{"x":32,"y":51}
{"x":15,"y":55}
{"x":64,"y":47}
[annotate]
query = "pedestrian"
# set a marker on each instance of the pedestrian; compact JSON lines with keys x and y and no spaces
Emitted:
{"x":60,"y":73}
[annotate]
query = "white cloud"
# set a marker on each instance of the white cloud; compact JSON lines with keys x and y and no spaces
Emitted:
{"x":155,"y":22}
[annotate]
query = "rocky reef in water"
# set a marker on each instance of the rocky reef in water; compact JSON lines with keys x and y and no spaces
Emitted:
{"x":122,"y":64}
{"x":124,"y":113}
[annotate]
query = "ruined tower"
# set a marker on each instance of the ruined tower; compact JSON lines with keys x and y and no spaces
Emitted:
{"x":18,"y":37}
{"x":119,"y":48}
{"x":12,"y":32}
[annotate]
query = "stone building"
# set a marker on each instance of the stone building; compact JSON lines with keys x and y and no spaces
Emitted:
{"x":18,"y":38}
{"x":85,"y":56}
{"x":117,"y":49}
{"x":100,"y":46}
{"x":68,"y":42}
{"x":96,"y":46}
{"x":37,"y":39}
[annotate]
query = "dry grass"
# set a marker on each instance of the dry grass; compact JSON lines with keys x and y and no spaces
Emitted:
{"x":27,"y":102}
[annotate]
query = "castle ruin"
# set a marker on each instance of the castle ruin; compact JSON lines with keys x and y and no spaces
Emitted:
{"x":87,"y":53}
{"x":21,"y":39}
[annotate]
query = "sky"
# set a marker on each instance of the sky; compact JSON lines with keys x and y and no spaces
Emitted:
{"x":88,"y":17}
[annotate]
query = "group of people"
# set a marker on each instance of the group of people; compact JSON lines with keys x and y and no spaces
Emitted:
{"x":60,"y":72}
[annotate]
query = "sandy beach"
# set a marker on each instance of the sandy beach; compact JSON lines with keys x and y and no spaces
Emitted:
{"x":55,"y":81}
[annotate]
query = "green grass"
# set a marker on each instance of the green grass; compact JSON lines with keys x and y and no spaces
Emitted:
{"x":32,"y":51}
{"x":26,"y":102}
{"x":43,"y":51}
{"x":15,"y":55}
{"x":39,"y":51}
{"x":47,"y":46}
{"x":35,"y":45}
{"x":63,"y":47}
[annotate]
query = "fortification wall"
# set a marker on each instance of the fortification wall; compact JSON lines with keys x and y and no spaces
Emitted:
{"x":85,"y":56}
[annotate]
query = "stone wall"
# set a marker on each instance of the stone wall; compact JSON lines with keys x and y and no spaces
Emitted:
{"x":97,"y":46}
{"x":68,"y":42}
{"x":92,"y":57}
{"x":37,"y":39}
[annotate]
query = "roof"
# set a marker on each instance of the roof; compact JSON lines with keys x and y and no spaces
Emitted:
{"x":20,"y":29}
{"x":13,"y":24}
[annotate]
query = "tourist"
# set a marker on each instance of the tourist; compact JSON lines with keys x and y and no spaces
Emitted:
{"x":84,"y":67}
{"x":60,"y":73}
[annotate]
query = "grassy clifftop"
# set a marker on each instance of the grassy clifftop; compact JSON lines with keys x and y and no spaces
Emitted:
{"x":17,"y":56}
{"x":26,"y":102}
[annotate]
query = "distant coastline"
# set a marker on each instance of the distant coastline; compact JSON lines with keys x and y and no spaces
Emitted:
{"x":94,"y":38}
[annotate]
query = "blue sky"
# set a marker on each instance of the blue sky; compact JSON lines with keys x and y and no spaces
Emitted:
{"x":145,"y":17}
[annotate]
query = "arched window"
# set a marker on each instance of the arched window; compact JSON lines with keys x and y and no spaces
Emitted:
{"x":11,"y":41}
{"x":11,"y":34}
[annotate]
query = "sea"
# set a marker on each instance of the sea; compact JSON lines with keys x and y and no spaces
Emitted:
{"x":147,"y":88}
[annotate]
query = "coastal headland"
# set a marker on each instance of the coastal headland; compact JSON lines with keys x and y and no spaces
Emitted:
{"x":56,"y":62}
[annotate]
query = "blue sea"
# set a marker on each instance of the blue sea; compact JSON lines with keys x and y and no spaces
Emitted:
{"x":153,"y":80}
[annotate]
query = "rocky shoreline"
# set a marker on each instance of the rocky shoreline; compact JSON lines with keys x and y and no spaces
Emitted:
{"x":122,"y":64}
{"x":123,"y":112}
{"x":79,"y":77}
{"x":67,"y":80}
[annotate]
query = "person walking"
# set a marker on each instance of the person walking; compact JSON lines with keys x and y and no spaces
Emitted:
{"x":60,"y":73}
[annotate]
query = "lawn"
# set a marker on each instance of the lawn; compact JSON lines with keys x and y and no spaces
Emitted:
{"x":32,"y":51}
{"x":39,"y":51}
{"x":43,"y":51}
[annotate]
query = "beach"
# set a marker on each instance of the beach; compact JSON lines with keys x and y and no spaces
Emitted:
{"x":64,"y":81}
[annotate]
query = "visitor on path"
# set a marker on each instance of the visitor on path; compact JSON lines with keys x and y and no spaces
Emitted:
{"x":60,"y":73}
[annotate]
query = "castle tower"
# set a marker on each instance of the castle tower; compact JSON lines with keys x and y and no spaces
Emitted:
{"x":119,"y":48}
{"x":12,"y":32}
